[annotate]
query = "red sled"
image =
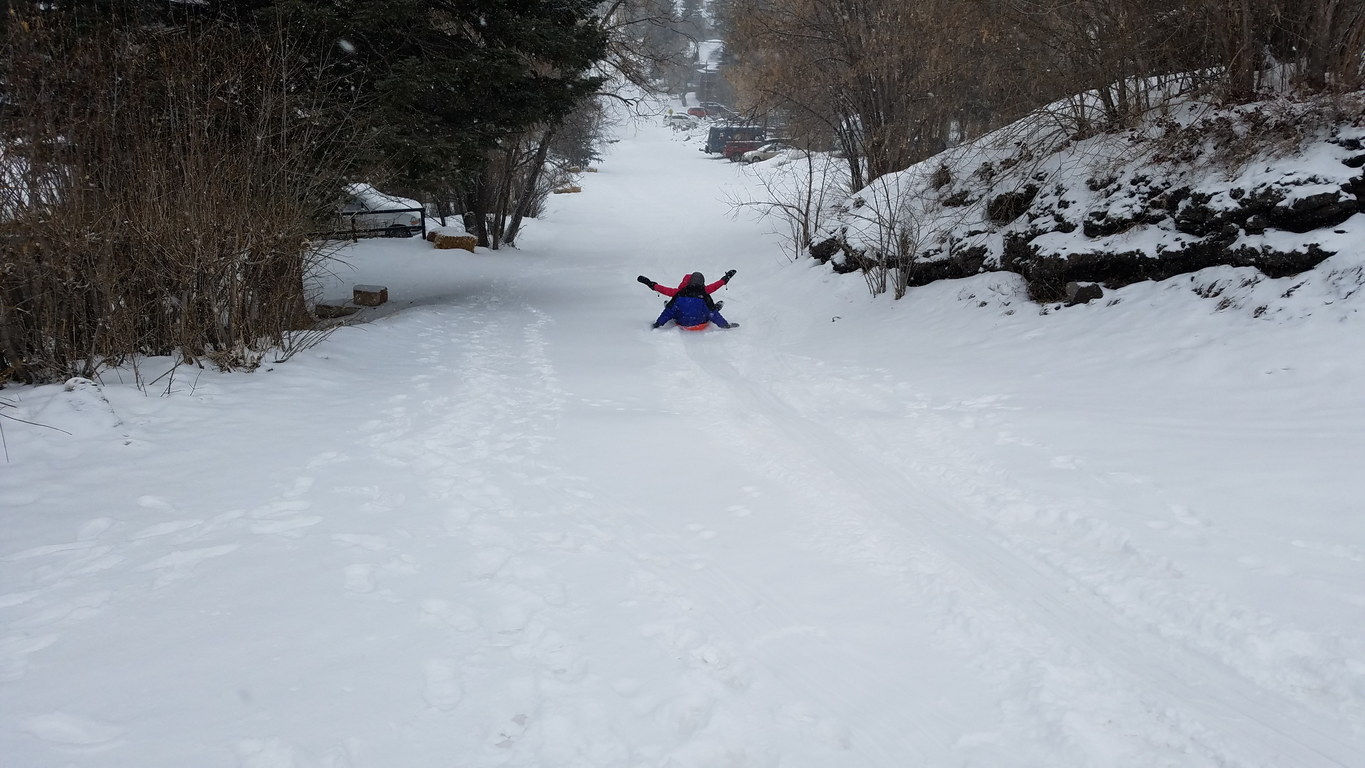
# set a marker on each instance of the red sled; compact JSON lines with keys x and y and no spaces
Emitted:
{"x":704,"y":326}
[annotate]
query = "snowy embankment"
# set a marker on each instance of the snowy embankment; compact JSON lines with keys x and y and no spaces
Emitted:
{"x":1276,"y":186}
{"x":505,"y":523}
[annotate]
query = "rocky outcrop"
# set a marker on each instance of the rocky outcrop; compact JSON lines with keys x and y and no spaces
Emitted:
{"x":1002,"y":209}
{"x":1048,"y":275}
{"x":1120,"y":208}
{"x":1215,"y":226}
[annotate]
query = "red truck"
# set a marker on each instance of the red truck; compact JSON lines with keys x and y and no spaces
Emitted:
{"x":733,"y":149}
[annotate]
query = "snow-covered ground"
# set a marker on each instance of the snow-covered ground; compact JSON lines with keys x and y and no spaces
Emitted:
{"x":504,"y":523}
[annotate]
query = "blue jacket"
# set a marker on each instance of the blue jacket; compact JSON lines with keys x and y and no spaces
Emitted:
{"x":687,"y":310}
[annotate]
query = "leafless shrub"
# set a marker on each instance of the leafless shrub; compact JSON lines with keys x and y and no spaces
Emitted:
{"x":158,"y":190}
{"x":1227,"y":139}
{"x":897,"y":236}
{"x":798,"y":196}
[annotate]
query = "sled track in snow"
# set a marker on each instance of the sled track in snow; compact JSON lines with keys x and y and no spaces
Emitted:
{"x":1219,"y":714}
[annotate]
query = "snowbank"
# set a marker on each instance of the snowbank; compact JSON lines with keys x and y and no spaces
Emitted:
{"x":1275,"y":186}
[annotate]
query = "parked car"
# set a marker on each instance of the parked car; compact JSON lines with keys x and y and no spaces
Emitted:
{"x":735,"y":149}
{"x":766,"y":152}
{"x":720,"y":135}
{"x":697,"y":111}
{"x":681,"y":122}
{"x":366,"y":210}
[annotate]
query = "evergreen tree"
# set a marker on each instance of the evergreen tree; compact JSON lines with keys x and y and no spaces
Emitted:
{"x":450,"y":79}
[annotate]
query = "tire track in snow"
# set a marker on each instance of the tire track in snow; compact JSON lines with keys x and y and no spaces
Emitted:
{"x":1224,"y":716}
{"x":748,"y":604}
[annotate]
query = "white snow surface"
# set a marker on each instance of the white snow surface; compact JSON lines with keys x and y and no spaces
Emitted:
{"x":505,"y":523}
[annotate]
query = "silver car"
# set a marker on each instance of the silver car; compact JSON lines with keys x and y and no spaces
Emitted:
{"x":766,"y":152}
{"x":366,"y":210}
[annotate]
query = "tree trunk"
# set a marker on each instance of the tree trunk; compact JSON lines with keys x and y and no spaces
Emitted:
{"x":528,"y":189}
{"x":1242,"y":62}
{"x":504,"y":193}
{"x":478,"y":206}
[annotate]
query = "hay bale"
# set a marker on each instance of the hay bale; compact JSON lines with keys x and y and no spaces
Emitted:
{"x":447,"y":242}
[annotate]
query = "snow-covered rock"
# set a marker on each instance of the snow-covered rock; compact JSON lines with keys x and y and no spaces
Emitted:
{"x":1276,"y":186}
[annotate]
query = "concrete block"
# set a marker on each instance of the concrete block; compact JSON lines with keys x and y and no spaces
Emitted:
{"x":370,"y":295}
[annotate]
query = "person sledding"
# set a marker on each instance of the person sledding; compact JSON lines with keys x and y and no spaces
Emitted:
{"x":690,"y":304}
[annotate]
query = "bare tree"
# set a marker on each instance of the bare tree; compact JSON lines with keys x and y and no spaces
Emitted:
{"x":650,"y":44}
{"x":888,"y":82}
{"x":159,"y":187}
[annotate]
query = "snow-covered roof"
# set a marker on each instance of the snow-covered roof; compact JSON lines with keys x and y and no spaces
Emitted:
{"x":376,"y":200}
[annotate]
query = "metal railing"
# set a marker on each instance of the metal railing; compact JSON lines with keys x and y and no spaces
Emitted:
{"x":354,"y":233}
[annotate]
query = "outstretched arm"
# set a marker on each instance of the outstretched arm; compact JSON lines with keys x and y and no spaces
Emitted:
{"x":665,"y":290}
{"x":725,"y":279}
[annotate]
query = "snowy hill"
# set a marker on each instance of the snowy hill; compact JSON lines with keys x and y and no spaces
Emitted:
{"x":1276,"y":186}
{"x":504,"y":523}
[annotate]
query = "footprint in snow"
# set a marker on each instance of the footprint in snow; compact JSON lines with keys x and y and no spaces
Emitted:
{"x":507,"y":737}
{"x":93,"y":529}
{"x":689,"y":713}
{"x":702,"y":531}
{"x":14,"y":653}
{"x":301,"y":486}
{"x":1184,"y":516}
{"x":382,"y":506}
{"x":442,"y":690}
{"x":281,"y":518}
{"x":626,"y":686}
{"x":178,"y":565}
{"x":442,"y":613}
{"x":805,"y":717}
{"x":360,"y":578}
{"x":290,"y":527}
{"x":365,"y":541}
{"x":265,"y":753}
{"x":488,"y":562}
{"x":280,"y":508}
{"x":325,"y":458}
{"x":155,"y":503}
{"x":163,"y":529}
{"x":71,"y":730}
